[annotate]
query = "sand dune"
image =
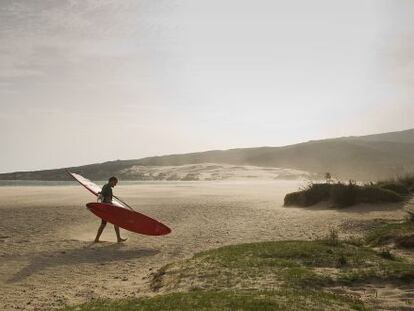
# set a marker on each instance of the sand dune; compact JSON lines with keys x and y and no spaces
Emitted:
{"x":366,"y":158}
{"x":48,"y":259}
{"x":209,"y":172}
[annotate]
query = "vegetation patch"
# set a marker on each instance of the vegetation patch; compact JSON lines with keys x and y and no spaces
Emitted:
{"x":342,"y":195}
{"x":299,"y":263}
{"x":311,"y":195}
{"x":298,"y":266}
{"x":400,"y":184}
{"x":327,"y":274}
{"x":347,"y":194}
{"x":396,"y":187}
{"x":280,"y":275}
{"x":400,"y":234}
{"x":230,"y":300}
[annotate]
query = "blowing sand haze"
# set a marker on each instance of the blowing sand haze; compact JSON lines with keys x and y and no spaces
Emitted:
{"x":50,"y":260}
{"x":264,"y":152}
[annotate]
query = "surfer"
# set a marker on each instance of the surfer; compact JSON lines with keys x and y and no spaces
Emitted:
{"x":106,"y":197}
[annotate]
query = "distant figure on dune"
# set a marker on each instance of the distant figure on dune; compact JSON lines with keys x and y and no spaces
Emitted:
{"x":106,"y":197}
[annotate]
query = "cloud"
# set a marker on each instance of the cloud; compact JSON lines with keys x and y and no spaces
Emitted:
{"x":82,"y":18}
{"x":70,"y":39}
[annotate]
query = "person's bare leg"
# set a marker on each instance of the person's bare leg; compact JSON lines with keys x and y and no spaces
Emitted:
{"x":100,"y":230}
{"x":118,"y":235}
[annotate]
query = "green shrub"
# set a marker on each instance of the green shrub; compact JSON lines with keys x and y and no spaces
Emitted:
{"x":333,"y":237}
{"x":342,"y":261}
{"x":386,"y":254}
{"x":374,"y":194}
{"x":406,"y":241}
{"x":407,"y":180}
{"x":410,"y":216}
{"x":399,"y":188}
{"x":343,"y":195}
{"x":297,"y":198}
{"x":402,"y":185}
{"x":399,"y":233}
{"x":313,"y":194}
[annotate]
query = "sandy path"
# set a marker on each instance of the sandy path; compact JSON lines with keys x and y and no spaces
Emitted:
{"x":48,"y":260}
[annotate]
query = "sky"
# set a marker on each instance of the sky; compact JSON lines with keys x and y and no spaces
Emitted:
{"x":96,"y":80}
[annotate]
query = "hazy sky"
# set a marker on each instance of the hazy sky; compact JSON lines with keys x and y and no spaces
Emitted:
{"x":95,"y":80}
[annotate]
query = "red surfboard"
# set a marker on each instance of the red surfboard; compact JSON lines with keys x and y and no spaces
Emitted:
{"x":127,"y":219}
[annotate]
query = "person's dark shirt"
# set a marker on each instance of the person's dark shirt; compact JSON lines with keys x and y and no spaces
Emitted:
{"x":106,"y":193}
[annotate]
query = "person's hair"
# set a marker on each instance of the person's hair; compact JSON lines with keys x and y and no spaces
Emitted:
{"x":113,"y":178}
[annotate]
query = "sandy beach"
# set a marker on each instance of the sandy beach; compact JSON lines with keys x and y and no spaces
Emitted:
{"x":48,"y":258}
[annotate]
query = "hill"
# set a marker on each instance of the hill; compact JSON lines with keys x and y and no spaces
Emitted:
{"x":369,"y":157}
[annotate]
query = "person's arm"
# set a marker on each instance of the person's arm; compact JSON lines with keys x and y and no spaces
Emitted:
{"x":100,"y":197}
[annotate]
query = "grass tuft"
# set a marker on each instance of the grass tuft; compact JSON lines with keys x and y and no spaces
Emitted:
{"x":333,"y":237}
{"x":279,"y":275}
{"x":282,"y":299}
{"x":400,"y":233}
{"x":386,"y":254}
